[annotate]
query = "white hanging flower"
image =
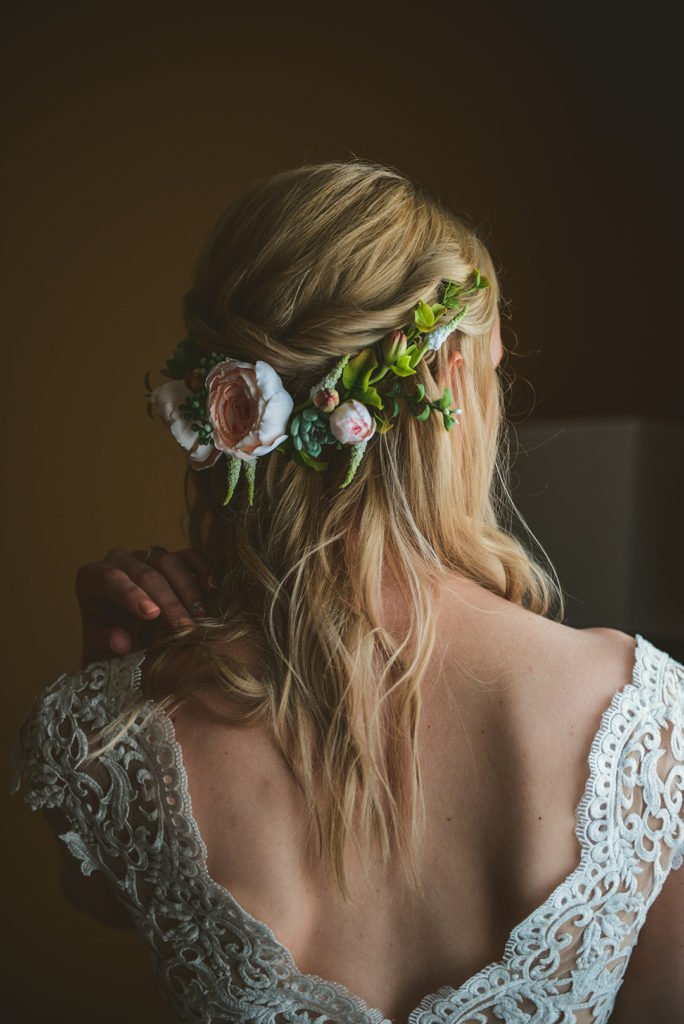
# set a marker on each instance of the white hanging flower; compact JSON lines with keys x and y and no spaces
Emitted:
{"x":435,"y":339}
{"x":166,"y":400}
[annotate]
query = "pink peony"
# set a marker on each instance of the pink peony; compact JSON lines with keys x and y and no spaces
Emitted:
{"x":248,"y":408}
{"x":352,"y":423}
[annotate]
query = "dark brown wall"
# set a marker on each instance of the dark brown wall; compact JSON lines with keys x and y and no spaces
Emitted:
{"x":130,"y":126}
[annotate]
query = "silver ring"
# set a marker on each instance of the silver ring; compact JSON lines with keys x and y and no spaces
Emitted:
{"x":153,"y":551}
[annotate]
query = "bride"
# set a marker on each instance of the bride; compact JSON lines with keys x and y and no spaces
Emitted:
{"x":364,"y":773}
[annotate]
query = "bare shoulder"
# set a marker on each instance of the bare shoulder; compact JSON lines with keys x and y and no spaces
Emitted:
{"x":611,"y":652}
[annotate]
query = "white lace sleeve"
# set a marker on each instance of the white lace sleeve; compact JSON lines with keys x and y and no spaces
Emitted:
{"x":131,"y":818}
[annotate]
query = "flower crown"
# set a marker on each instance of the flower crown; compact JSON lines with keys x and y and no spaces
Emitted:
{"x":215,"y":405}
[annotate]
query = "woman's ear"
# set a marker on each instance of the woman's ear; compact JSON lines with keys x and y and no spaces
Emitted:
{"x":455,"y":359}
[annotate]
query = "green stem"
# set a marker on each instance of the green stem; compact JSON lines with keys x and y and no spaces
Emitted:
{"x":379,"y":375}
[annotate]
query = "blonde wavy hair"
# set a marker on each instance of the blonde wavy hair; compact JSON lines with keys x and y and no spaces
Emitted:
{"x":307,"y":266}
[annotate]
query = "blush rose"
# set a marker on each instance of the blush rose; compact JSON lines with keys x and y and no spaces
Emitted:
{"x":248,"y":408}
{"x":352,"y":423}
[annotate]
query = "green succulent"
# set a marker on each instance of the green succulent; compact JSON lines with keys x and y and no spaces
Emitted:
{"x":310,"y":430}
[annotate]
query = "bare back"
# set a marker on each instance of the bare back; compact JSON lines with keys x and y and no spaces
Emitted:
{"x":510,"y":707}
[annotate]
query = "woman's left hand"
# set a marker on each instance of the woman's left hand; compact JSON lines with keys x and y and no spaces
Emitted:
{"x":125,"y":591}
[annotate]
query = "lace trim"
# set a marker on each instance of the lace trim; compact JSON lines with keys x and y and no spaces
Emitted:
{"x":219,"y":963}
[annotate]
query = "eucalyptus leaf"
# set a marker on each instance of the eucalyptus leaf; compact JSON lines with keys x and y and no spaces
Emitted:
{"x":446,"y":399}
{"x":424,"y":414}
{"x":420,"y":393}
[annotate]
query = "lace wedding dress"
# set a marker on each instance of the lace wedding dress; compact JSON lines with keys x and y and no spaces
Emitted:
{"x":131,"y":818}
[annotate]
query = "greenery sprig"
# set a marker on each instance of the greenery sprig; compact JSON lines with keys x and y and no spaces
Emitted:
{"x":353,"y":379}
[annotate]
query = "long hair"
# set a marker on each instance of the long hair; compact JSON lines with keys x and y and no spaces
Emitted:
{"x":310,"y":265}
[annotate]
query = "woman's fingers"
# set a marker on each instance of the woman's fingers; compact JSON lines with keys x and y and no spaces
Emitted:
{"x":119,"y":641}
{"x":184,"y":574}
{"x":168,"y":583}
{"x":101,"y":640}
{"x":197,"y":565}
{"x":103,"y":583}
{"x":127,"y":589}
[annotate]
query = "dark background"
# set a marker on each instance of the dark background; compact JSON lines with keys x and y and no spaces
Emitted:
{"x":129,"y":127}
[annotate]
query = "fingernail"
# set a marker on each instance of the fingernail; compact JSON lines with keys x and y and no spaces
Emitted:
{"x":147,"y":607}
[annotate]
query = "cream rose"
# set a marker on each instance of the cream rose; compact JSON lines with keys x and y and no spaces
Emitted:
{"x":166,"y":399}
{"x":352,"y":423}
{"x":248,"y":408}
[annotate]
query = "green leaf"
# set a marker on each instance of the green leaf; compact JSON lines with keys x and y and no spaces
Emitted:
{"x":371,"y":397}
{"x":305,"y":459}
{"x":184,"y":360}
{"x":383,"y":425}
{"x":424,"y":317}
{"x":403,"y":368}
{"x":234,"y":467}
{"x":415,"y":357}
{"x":437,"y":310}
{"x":446,"y":399}
{"x":424,"y":414}
{"x":358,"y":370}
{"x":396,"y":407}
{"x":452,"y":294}
{"x":448,"y":420}
{"x":420,"y":393}
{"x":250,"y":473}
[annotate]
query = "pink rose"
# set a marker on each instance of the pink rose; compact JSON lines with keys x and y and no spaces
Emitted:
{"x":351,"y":423}
{"x":248,"y":408}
